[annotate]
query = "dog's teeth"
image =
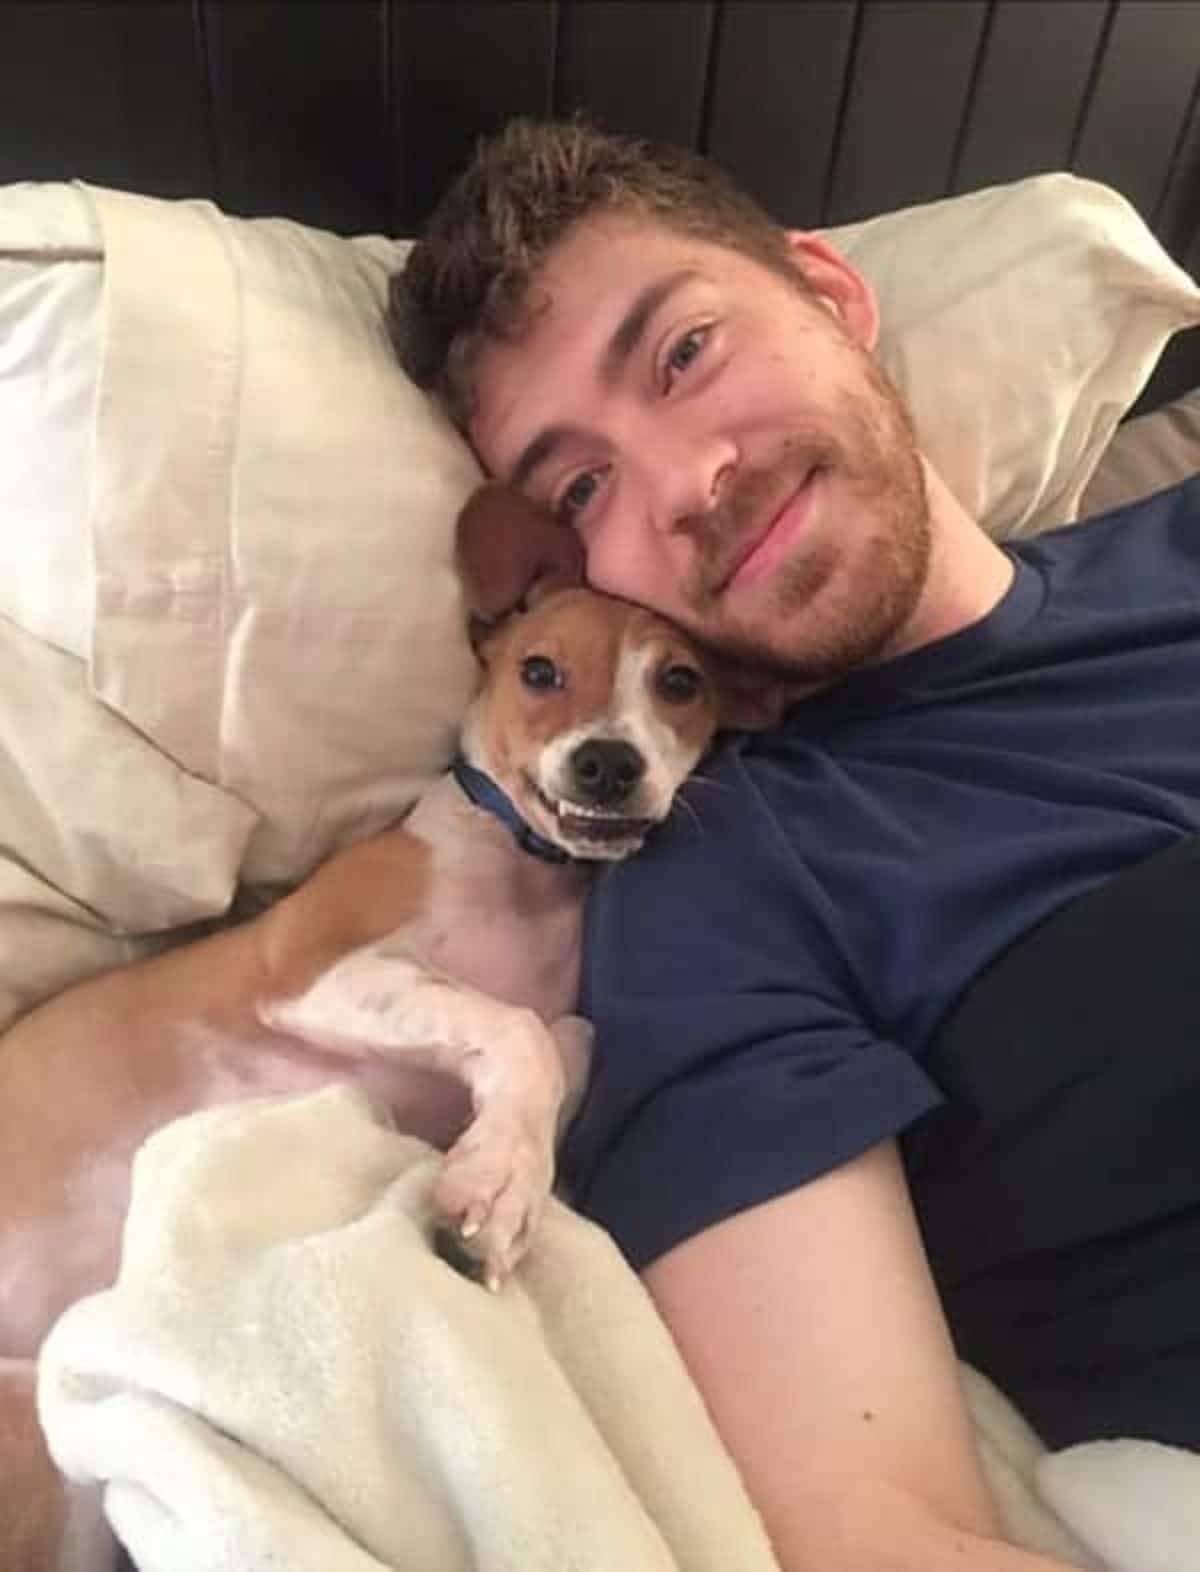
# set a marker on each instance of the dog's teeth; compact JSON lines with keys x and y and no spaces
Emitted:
{"x":579,"y":810}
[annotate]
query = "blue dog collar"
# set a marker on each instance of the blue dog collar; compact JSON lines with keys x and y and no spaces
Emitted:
{"x":484,"y":793}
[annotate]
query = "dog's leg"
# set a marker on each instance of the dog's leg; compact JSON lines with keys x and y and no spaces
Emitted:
{"x":574,"y":1036}
{"x":33,"y":1504}
{"x":497,"y":1176}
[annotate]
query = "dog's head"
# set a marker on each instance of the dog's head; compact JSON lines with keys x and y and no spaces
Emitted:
{"x":593,"y":711}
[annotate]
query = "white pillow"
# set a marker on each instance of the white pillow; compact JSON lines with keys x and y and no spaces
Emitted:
{"x":50,"y":315}
{"x":1020,"y":322}
{"x":263,"y":582}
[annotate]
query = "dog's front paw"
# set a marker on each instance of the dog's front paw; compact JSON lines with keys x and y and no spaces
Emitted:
{"x":490,"y":1195}
{"x":573,"y":1037}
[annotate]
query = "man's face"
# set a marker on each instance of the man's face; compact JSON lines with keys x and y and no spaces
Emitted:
{"x":723,"y":442}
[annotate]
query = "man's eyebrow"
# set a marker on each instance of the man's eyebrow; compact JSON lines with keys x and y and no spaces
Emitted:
{"x":539,"y":450}
{"x":620,"y":347}
{"x":633,"y":324}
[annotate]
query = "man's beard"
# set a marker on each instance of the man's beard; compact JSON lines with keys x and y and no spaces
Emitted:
{"x":861,"y":579}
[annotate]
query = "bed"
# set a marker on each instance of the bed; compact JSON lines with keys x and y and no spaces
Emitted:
{"x":343,"y":120}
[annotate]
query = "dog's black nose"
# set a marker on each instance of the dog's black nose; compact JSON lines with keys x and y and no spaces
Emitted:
{"x":606,"y":771}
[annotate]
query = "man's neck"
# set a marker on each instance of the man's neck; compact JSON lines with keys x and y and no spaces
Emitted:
{"x":968,"y":574}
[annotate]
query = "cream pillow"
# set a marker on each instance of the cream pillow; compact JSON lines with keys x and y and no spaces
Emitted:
{"x":51,"y":274}
{"x":262,"y":582}
{"x":1020,"y":322}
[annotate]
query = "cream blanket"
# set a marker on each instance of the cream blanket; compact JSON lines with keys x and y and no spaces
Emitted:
{"x":285,"y":1374}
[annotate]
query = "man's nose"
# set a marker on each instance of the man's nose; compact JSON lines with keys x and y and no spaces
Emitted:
{"x":687,"y":481}
{"x":671,"y":479}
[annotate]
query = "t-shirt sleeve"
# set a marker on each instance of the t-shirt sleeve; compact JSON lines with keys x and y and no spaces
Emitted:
{"x":733,"y":1061}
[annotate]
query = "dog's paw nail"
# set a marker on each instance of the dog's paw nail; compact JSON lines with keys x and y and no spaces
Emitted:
{"x":448,"y":1248}
{"x":470,"y":1228}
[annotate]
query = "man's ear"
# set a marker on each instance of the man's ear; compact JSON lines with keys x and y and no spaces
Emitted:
{"x":838,"y":284}
{"x":510,"y":551}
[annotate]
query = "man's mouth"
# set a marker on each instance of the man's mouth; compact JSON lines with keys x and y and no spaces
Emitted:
{"x":765,"y":544}
{"x":578,"y":823}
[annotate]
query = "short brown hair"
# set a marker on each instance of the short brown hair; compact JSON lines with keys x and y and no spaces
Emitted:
{"x":468,"y":278}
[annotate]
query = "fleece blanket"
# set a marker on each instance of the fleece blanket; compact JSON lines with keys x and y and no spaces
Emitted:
{"x":286,"y":1373}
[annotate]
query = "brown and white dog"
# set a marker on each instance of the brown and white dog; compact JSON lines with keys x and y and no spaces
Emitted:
{"x":436,"y":964}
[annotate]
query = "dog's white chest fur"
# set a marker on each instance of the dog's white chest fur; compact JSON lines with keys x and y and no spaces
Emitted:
{"x":497,"y":918}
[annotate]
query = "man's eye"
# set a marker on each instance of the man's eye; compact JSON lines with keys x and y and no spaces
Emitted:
{"x":577,"y":495}
{"x":540,"y":672}
{"x":685,"y":350}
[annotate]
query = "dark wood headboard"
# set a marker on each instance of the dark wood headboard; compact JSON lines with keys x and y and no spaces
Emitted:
{"x":352,"y":114}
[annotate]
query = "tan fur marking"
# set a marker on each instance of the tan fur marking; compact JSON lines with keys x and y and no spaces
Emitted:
{"x":362,"y":894}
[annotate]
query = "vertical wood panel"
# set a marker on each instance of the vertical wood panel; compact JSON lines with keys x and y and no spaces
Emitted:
{"x":777,"y":89}
{"x":298,"y":96}
{"x":1141,"y":98}
{"x":1178,"y":218}
{"x":110,"y":93}
{"x":1036,"y":63}
{"x":163,"y":87}
{"x":635,"y":68}
{"x":911,"y":80}
{"x":462,"y":70}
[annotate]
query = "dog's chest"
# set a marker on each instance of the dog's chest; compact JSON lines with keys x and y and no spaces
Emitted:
{"x":526,"y":954}
{"x":530,"y":963}
{"x":494,"y":916}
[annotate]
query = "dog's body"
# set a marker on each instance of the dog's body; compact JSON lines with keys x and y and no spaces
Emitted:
{"x":192,"y":1028}
{"x":436,"y":964}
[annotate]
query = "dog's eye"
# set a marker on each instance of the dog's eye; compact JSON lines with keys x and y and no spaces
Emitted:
{"x":679,"y":684}
{"x":539,"y":671}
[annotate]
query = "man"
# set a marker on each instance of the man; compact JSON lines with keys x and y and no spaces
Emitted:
{"x":976,"y":738}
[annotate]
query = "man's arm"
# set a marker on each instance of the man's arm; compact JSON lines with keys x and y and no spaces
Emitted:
{"x":813,"y":1329}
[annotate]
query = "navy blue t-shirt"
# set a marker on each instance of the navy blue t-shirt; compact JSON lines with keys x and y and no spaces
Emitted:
{"x":768,"y":976}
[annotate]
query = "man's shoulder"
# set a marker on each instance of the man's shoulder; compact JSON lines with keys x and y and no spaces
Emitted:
{"x":1162,"y":529}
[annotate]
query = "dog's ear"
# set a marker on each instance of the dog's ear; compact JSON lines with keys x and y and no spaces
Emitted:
{"x":511,"y":552}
